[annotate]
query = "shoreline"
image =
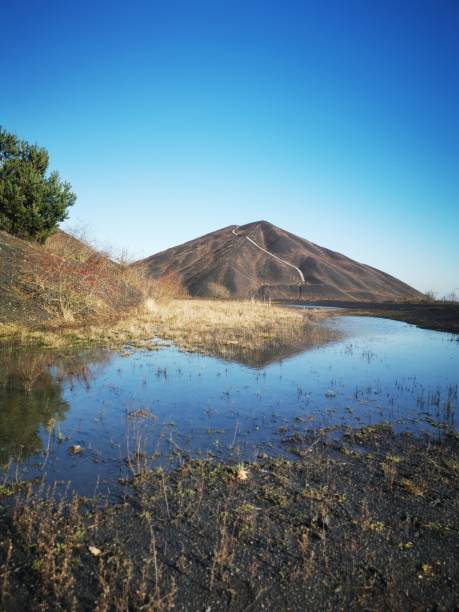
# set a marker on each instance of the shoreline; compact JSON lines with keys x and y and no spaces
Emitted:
{"x":218,"y":326}
{"x":367,"y":520}
{"x":200,"y":324}
{"x":435,"y":316}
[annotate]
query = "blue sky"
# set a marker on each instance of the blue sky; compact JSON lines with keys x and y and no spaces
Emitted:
{"x":338,"y":121}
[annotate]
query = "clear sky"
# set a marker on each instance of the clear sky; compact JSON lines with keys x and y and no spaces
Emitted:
{"x":336,"y":120}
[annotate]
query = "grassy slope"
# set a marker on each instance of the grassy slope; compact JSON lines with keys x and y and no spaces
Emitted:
{"x":66,"y":280}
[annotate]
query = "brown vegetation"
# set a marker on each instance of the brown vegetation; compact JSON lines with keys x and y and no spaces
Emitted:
{"x":68,"y":280}
{"x":239,"y":329}
{"x":49,"y":293}
{"x":72,"y":280}
{"x":165,"y":288}
{"x":250,"y":331}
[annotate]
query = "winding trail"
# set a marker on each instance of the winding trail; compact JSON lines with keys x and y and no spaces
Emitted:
{"x":287,"y":263}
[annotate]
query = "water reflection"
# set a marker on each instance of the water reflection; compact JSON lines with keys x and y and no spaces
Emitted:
{"x":124,"y":409}
{"x":22,"y":414}
{"x":266,"y":348}
{"x":31,"y":394}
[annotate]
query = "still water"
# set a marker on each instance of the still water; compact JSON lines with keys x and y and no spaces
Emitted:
{"x":118,"y":411}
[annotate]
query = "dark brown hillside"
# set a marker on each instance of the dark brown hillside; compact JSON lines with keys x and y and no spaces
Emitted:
{"x":17,"y":255}
{"x":234,"y":262}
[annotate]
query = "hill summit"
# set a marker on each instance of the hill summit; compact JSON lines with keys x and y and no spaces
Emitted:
{"x":262,"y":260}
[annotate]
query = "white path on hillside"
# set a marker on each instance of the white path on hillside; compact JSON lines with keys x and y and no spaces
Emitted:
{"x":287,"y":263}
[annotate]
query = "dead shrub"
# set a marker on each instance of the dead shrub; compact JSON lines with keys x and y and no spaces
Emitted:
{"x":169,"y":287}
{"x":216,"y":290}
{"x":73,"y":280}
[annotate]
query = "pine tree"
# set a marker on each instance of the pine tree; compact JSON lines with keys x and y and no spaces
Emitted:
{"x":32,"y":203}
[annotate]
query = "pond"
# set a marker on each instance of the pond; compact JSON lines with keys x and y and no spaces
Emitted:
{"x":97,"y":416}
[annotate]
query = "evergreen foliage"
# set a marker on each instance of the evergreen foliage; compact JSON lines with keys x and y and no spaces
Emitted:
{"x":32,"y":203}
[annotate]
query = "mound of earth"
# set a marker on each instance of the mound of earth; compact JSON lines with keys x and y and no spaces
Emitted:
{"x":31,"y":275}
{"x":16,"y":257}
{"x":262,"y":260}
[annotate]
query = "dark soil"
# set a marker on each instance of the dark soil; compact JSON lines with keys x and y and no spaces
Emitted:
{"x":222,"y":264}
{"x":369,"y":522}
{"x":16,"y":256}
{"x":437,"y":316}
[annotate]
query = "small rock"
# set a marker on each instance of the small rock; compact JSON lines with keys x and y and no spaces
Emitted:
{"x":76,"y":449}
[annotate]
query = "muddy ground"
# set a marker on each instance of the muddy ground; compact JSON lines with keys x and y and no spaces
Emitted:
{"x":362,"y":520}
{"x":437,"y":316}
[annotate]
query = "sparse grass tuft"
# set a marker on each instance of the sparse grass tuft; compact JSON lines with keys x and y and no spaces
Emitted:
{"x":411,"y":487}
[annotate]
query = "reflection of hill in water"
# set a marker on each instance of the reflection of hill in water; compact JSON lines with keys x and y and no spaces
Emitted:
{"x":263,"y":352}
{"x":31,"y":393}
{"x":32,"y":381}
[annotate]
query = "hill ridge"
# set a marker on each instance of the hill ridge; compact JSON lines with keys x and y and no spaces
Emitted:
{"x":259,"y":259}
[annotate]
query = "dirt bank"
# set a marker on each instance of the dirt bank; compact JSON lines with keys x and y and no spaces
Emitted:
{"x":436,"y":316}
{"x":369,"y":521}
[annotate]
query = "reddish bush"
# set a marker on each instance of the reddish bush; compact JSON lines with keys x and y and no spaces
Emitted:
{"x":79,"y":283}
{"x":168,"y":287}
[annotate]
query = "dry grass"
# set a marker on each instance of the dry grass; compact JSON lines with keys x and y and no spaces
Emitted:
{"x":56,"y":536}
{"x":229,"y":326}
{"x":71,"y":281}
{"x":83,"y":295}
{"x":224,"y":328}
